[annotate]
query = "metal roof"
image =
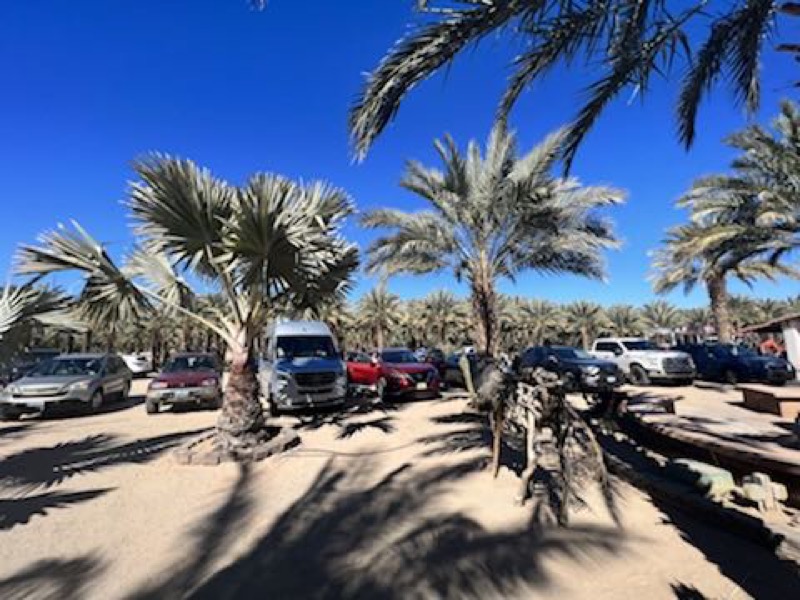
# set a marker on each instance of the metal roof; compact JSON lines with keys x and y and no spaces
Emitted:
{"x":282,"y":328}
{"x":771,"y":326}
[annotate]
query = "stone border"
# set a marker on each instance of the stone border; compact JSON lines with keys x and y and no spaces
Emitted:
{"x":188,"y":454}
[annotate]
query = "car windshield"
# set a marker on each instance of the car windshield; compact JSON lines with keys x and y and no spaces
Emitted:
{"x":399,"y":356}
{"x":191,"y":363}
{"x":67,"y":366}
{"x":306,"y":346}
{"x":734,"y":350}
{"x":570,"y":353}
{"x":639,"y":345}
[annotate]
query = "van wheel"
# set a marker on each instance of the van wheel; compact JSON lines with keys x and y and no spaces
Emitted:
{"x":639,"y":375}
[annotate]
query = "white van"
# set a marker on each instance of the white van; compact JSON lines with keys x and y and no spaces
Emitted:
{"x":301,"y":367}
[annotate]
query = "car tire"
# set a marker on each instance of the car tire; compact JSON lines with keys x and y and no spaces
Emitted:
{"x":126,"y":390}
{"x":380,"y":388}
{"x":151,"y":407}
{"x":96,"y":401}
{"x":216,"y":404}
{"x":638,"y":375}
{"x":729,"y":377}
{"x":7,"y":415}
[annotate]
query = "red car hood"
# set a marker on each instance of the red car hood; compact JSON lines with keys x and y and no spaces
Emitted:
{"x":186,"y":378}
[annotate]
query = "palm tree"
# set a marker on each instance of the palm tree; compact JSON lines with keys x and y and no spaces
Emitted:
{"x":586,"y":319}
{"x":696,"y":320}
{"x":631,"y":41}
{"x":625,"y":320}
{"x":541,"y":320}
{"x":257,"y":245}
{"x":661,"y":315}
{"x":744,"y":311}
{"x":379,"y":311}
{"x":744,"y":225}
{"x":493,"y":216}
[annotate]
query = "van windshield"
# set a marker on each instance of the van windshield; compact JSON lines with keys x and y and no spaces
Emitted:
{"x":305,"y":346}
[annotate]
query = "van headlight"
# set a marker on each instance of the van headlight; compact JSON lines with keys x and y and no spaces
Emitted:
{"x":341,"y":380}
{"x":282,"y":379}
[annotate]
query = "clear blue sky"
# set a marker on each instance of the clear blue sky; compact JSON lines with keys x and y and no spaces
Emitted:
{"x":88,"y":85}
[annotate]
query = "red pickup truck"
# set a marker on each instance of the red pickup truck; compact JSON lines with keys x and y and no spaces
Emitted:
{"x":392,"y":373}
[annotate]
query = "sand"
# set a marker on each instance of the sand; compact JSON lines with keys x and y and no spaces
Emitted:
{"x":374,"y":503}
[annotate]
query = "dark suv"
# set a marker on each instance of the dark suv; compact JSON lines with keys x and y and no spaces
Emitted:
{"x":732,"y":364}
{"x":581,"y":371}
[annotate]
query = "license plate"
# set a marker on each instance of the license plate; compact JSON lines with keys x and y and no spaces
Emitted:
{"x":422,"y":386}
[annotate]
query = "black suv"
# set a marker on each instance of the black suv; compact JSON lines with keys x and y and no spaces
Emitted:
{"x":581,"y":371}
{"x":732,"y":364}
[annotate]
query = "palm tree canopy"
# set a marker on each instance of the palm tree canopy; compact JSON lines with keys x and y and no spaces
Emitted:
{"x":379,"y":308}
{"x":625,"y":320}
{"x":495,"y":212}
{"x":268,"y":241}
{"x":631,"y":41}
{"x":661,"y":315}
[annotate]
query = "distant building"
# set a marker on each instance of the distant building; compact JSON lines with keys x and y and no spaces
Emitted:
{"x":789,"y":328}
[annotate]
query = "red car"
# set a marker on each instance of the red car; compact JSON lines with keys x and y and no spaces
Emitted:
{"x":395,"y":373}
{"x":188,"y":378}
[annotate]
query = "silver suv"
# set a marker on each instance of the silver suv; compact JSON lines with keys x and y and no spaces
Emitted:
{"x":70,"y":380}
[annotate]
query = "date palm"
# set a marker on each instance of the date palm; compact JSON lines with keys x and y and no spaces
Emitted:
{"x":541,"y":320}
{"x":379,"y":311}
{"x":255,"y":246}
{"x":630,"y":41}
{"x":443,"y":315}
{"x":625,"y":320}
{"x":494,"y":215}
{"x":661,"y":315}
{"x":585,"y":319}
{"x":696,"y":320}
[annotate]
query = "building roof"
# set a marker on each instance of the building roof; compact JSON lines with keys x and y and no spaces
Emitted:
{"x":772,"y":326}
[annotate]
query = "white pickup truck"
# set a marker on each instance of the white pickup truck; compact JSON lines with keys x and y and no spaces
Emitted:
{"x":642,"y":362}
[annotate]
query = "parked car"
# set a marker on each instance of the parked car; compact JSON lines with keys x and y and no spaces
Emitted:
{"x":642,"y":362}
{"x":732,"y":364}
{"x":364,"y":374}
{"x":580,"y":371}
{"x":70,"y":380}
{"x":24,"y":362}
{"x":187,"y":378}
{"x":301,"y":367}
{"x":403,"y":376}
{"x":453,"y":376}
{"x":140,"y":363}
{"x":438,"y":359}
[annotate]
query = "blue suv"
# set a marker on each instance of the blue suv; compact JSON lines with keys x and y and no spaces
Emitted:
{"x":733,"y":364}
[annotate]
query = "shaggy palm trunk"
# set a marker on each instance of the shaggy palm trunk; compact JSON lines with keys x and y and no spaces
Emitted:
{"x":379,"y":337}
{"x":484,"y":306}
{"x":241,"y":421}
{"x":718,"y":294}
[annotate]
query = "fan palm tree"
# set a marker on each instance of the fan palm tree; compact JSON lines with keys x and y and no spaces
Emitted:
{"x":257,"y":245}
{"x":630,"y":41}
{"x":586,"y":319}
{"x":494,"y":215}
{"x":625,"y":320}
{"x":379,"y":311}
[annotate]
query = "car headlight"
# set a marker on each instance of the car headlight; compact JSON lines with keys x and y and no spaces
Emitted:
{"x":159,"y":385}
{"x":210,"y":382}
{"x":79,"y":386}
{"x":282,"y":379}
{"x":591,"y":370}
{"x":13,"y":389}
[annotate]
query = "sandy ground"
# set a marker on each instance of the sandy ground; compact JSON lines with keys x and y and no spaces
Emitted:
{"x":392,"y":503}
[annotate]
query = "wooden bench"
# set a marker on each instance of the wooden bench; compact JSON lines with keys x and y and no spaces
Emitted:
{"x":783,"y":401}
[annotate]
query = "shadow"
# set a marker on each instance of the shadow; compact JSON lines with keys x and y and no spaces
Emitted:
{"x":208,"y":542}
{"x":18,"y":511}
{"x":111,"y":405}
{"x":14,"y":431}
{"x":753,"y":568}
{"x":683,"y":591}
{"x":29,"y":470}
{"x":53,"y":579}
{"x":460,"y":418}
{"x":382,"y":424}
{"x":349,"y":538}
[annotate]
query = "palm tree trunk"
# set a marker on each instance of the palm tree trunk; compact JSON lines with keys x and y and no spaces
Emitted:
{"x":379,"y":337}
{"x":241,"y":421}
{"x":484,"y":305}
{"x":718,"y":294}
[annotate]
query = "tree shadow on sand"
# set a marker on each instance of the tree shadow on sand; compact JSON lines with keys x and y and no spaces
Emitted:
{"x":352,"y":419}
{"x":18,"y":511}
{"x":30,"y":470}
{"x":53,"y":579}
{"x":349,"y":538}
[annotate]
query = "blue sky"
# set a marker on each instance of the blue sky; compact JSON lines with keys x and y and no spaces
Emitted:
{"x":89,"y":85}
